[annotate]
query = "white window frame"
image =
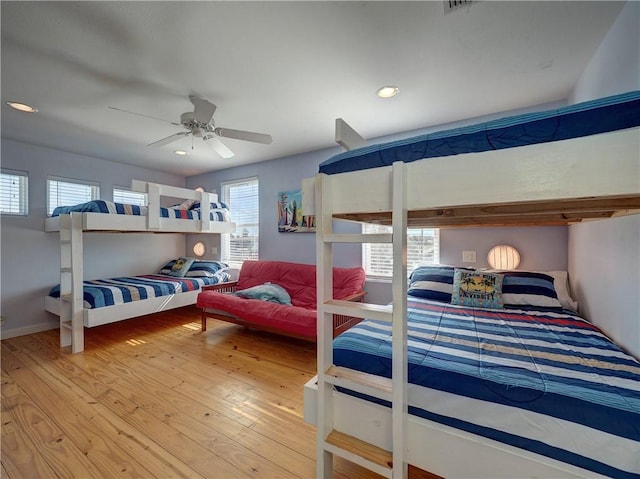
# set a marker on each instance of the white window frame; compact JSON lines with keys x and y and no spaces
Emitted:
{"x":15,"y":192}
{"x":93,"y":192}
{"x":383,"y":251}
{"x":247,"y":219}
{"x":122,"y":194}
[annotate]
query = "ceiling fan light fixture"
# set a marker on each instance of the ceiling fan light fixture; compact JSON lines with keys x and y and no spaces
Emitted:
{"x":21,"y":106}
{"x":180,"y":152}
{"x":388,"y":91}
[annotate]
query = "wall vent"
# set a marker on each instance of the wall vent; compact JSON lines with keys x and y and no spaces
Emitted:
{"x":451,"y":5}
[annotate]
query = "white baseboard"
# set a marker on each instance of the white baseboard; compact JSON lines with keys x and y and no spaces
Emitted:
{"x":36,"y":328}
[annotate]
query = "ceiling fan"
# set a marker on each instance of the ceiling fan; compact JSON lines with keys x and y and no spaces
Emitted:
{"x":199,"y":124}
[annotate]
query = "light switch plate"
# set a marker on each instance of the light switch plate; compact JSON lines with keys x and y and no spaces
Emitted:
{"x":468,"y":256}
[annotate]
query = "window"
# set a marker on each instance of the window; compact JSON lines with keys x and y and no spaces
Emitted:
{"x":68,"y":192}
{"x":129,"y":197}
{"x":242,"y":199}
{"x":14,"y":192}
{"x":423,"y":247}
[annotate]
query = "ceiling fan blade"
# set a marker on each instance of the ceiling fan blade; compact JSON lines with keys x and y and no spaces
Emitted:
{"x":244,"y":135}
{"x":220,"y":148}
{"x":170,"y":139}
{"x":203,"y":111}
{"x":146,"y":116}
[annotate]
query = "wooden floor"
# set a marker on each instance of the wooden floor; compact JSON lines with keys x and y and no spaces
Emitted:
{"x":155,"y":397}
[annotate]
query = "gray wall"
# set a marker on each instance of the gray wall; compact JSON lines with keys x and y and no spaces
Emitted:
{"x":604,"y":259}
{"x":31,"y":257}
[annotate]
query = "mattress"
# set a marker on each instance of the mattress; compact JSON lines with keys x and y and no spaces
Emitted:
{"x":548,"y":382}
{"x":109,"y":292}
{"x":219,"y":211}
{"x":583,"y":119}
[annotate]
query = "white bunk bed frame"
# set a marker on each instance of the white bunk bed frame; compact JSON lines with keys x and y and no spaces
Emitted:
{"x":550,"y":183}
{"x":73,"y":316}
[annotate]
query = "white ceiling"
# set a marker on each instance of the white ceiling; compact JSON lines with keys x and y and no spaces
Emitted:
{"x":284,"y":68}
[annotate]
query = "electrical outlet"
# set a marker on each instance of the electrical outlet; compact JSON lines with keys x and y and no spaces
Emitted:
{"x":1,"y":320}
{"x":468,"y":256}
{"x":214,"y":250}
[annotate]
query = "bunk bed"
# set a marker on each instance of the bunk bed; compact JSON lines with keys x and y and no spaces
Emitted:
{"x":199,"y":212}
{"x":578,"y":163}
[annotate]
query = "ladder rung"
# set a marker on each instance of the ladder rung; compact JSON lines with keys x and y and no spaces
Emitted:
{"x":359,"y":310}
{"x":360,"y":452}
{"x":65,"y":297}
{"x":66,"y":325}
{"x":66,"y":269}
{"x":358,"y":381}
{"x":358,"y":238}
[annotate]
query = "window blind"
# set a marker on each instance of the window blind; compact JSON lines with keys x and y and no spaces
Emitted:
{"x":68,"y":192}
{"x":242,"y":199}
{"x":14,"y":192}
{"x":123,"y":195}
{"x":423,"y":247}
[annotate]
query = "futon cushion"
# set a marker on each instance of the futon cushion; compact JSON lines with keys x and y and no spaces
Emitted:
{"x":300,"y":280}
{"x":292,"y":319}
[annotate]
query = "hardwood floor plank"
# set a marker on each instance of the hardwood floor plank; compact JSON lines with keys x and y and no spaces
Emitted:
{"x":136,"y":443}
{"x":155,"y":397}
{"x":104,"y":453}
{"x":17,"y":451}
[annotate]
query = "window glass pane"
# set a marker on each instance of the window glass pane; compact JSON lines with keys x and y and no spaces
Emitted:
{"x":423,"y":247}
{"x":123,"y":195}
{"x":67,"y":192}
{"x":14,"y":192}
{"x":242,"y":199}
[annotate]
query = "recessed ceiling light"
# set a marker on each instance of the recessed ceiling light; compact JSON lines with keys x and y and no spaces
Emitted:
{"x":21,"y":106}
{"x":180,"y":152}
{"x":388,"y":91}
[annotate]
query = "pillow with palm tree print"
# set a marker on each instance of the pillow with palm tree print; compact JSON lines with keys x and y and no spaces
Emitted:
{"x":477,"y":289}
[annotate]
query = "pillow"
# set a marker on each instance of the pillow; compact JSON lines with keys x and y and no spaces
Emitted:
{"x":528,"y":288}
{"x":433,"y":282}
{"x":167,"y":267}
{"x":223,"y":276}
{"x":185,"y":205}
{"x":477,"y":289}
{"x":202,"y":268}
{"x":560,"y":283}
{"x":214,"y":206}
{"x":266,"y":292}
{"x":180,"y":267}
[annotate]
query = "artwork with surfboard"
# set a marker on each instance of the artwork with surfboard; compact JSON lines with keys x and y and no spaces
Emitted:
{"x":290,"y":217}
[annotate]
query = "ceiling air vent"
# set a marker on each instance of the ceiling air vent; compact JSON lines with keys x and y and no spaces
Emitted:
{"x":451,"y":5}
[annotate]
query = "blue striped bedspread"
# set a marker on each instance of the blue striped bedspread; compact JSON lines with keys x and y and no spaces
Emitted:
{"x":548,"y":382}
{"x":103,"y":206}
{"x":109,"y":292}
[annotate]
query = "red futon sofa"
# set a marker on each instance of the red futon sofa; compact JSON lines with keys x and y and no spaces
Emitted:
{"x":222,"y":301}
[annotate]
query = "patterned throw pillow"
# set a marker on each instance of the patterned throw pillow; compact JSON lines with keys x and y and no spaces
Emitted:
{"x":180,"y":267}
{"x":476,"y":289}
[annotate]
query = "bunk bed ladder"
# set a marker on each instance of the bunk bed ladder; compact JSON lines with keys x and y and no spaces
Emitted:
{"x":390,"y":464}
{"x":71,"y":290}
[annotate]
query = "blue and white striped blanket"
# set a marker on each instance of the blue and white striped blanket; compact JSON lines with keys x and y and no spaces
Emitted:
{"x":102,"y":206}
{"x":548,"y":382}
{"x":109,"y":292}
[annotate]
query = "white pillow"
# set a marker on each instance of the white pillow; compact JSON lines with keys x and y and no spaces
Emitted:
{"x":561,"y":284}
